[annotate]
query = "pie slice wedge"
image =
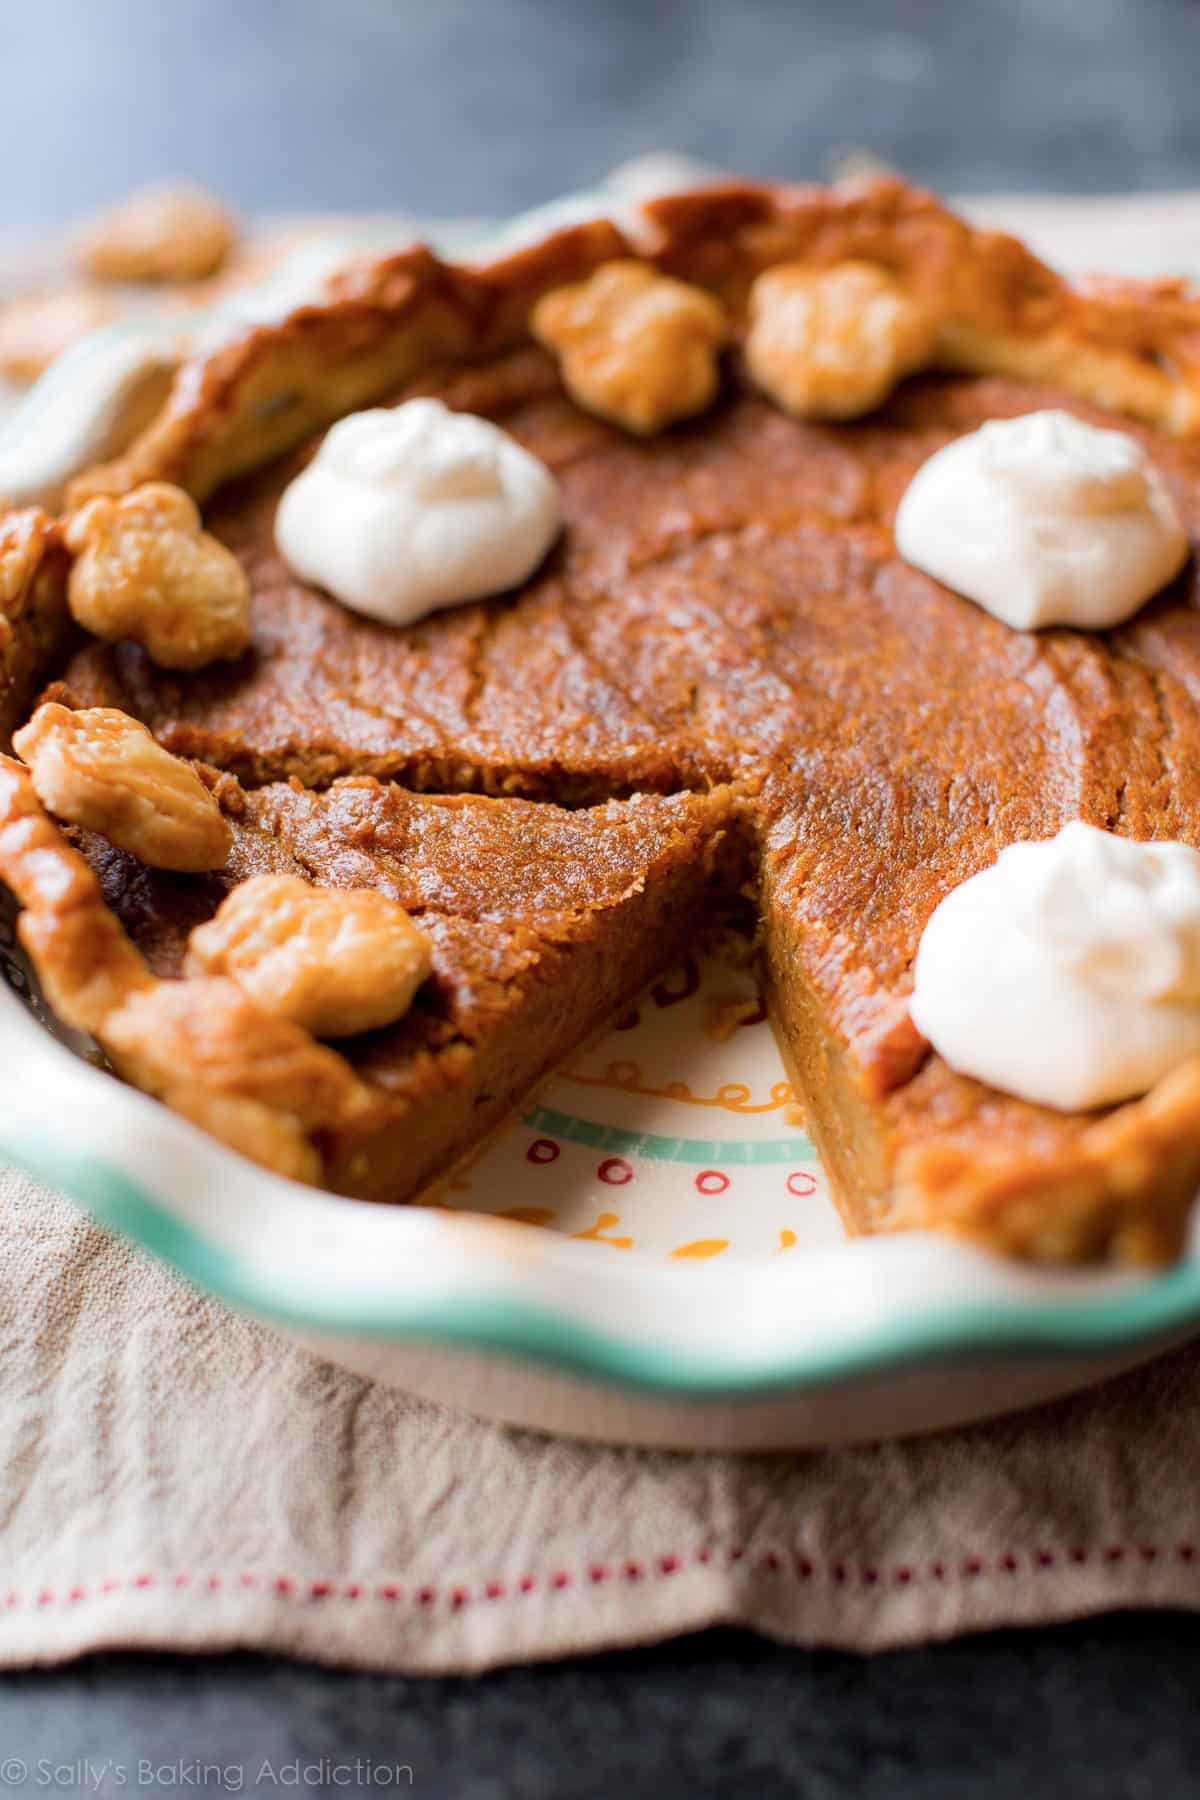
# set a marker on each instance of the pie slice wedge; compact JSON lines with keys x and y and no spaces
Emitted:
{"x":543,"y":924}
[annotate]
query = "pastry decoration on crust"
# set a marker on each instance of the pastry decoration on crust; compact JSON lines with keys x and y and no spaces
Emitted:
{"x":160,"y":233}
{"x":834,"y":343}
{"x":257,"y":1081}
{"x":634,"y":346}
{"x":337,"y":961}
{"x":100,"y":769}
{"x":145,"y":570}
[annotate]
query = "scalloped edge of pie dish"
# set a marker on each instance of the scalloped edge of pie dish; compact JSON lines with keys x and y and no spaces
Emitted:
{"x":314,"y":1263}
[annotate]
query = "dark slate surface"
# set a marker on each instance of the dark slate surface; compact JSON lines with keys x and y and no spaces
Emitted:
{"x":1099,"y":1711}
{"x":483,"y":106}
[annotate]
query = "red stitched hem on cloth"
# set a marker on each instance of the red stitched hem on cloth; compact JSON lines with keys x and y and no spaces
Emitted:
{"x":597,"y":1574}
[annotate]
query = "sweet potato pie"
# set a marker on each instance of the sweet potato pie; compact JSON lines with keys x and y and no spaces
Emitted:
{"x":721,"y":694}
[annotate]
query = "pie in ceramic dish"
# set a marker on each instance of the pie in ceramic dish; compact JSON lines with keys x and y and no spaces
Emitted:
{"x":722,"y":684}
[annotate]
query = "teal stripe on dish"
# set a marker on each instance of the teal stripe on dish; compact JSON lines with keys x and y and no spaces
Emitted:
{"x":1169,"y":1302}
{"x":797,"y":1149}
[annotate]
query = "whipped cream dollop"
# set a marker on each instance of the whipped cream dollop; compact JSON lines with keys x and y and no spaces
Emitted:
{"x":1069,"y":972}
{"x":86,"y":407}
{"x":409,"y":509}
{"x":1044,"y":520}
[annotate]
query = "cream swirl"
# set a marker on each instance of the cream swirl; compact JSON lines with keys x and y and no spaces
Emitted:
{"x":1044,"y":520}
{"x":86,"y":407}
{"x":409,"y":509}
{"x":1069,"y":972}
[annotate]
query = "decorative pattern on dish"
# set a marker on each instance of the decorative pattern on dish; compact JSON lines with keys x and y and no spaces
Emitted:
{"x":732,"y":1096}
{"x":632,"y":1174}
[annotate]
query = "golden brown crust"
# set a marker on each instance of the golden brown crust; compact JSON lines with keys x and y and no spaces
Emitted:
{"x":337,"y":961}
{"x":274,"y":1139}
{"x":834,"y":343}
{"x":206,"y":1032}
{"x":84,"y":960}
{"x":34,"y":621}
{"x":1134,"y":346}
{"x":200,"y":1045}
{"x":1124,"y":1190}
{"x":385,"y":323}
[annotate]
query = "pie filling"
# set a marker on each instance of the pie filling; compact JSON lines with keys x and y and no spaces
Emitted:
{"x":723,"y":680}
{"x":531,"y":953}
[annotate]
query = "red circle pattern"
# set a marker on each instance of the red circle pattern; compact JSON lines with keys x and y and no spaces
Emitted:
{"x":615,"y":1171}
{"x":711,"y":1181}
{"x":801,"y":1184}
{"x":543,"y":1150}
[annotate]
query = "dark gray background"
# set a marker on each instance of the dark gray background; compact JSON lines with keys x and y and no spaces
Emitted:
{"x":484,"y":106}
{"x":476,"y":106}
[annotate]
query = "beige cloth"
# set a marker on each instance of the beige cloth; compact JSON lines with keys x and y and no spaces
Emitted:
{"x":176,"y":1477}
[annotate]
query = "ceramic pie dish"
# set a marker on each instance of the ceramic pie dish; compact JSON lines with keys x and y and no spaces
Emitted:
{"x":743,"y":562}
{"x":630,"y":1263}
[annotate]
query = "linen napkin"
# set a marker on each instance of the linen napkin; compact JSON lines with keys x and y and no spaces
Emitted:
{"x":173,"y":1476}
